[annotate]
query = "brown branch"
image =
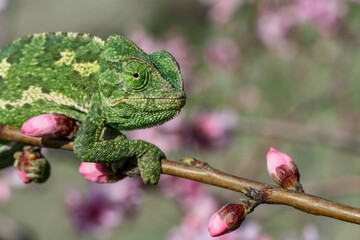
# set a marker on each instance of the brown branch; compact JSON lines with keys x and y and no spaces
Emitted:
{"x":202,"y":172}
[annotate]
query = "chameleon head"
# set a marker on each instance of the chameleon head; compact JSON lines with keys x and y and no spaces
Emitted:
{"x":138,"y":90}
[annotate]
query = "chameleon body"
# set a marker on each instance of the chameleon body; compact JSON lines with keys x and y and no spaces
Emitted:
{"x":109,"y":84}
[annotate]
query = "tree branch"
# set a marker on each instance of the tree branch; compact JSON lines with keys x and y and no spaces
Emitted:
{"x":202,"y":172}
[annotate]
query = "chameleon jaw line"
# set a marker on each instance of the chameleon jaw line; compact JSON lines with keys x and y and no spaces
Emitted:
{"x":123,"y":100}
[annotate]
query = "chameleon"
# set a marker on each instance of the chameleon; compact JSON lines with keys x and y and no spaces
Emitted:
{"x":104,"y":84}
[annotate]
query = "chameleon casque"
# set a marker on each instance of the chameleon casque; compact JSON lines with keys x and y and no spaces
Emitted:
{"x":110,"y":84}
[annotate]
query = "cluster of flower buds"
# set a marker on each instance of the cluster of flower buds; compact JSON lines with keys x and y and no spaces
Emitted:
{"x":283,"y":170}
{"x":229,"y":217}
{"x":31,"y":165}
{"x":50,"y":125}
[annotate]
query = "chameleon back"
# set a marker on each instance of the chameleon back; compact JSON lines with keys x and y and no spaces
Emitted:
{"x":48,"y":73}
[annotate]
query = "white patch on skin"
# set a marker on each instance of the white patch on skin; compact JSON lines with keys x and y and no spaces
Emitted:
{"x":67,"y":58}
{"x":4,"y":67}
{"x":85,"y":69}
{"x":34,"y":93}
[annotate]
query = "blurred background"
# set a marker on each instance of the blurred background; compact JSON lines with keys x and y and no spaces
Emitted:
{"x":258,"y":74}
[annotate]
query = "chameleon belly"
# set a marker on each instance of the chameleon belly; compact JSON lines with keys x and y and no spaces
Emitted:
{"x":48,"y":73}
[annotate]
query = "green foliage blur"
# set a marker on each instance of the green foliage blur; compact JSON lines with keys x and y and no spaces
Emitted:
{"x":297,"y":91}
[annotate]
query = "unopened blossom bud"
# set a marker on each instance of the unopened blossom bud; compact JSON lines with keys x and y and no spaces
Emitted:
{"x":31,"y":166}
{"x":283,"y":170}
{"x":49,"y":125}
{"x":100,"y":172}
{"x":229,"y":218}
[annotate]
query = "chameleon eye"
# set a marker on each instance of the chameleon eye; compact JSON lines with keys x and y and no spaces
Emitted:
{"x":136,"y":75}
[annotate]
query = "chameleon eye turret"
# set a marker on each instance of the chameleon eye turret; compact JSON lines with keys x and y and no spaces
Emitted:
{"x":110,"y":83}
{"x":135,"y":75}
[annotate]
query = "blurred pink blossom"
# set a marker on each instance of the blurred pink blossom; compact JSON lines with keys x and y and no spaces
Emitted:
{"x":194,"y":223}
{"x":211,"y":130}
{"x":126,"y":194}
{"x":186,"y":193}
{"x":168,"y":137}
{"x":273,"y":27}
{"x":93,"y":215}
{"x":221,"y":11}
{"x":3,"y":5}
{"x":275,"y":23}
{"x":5,"y":192}
{"x":104,"y":207}
{"x":197,"y":203}
{"x":323,"y":13}
{"x":310,"y":232}
{"x":222,"y":53}
{"x":207,"y":130}
{"x":11,"y":176}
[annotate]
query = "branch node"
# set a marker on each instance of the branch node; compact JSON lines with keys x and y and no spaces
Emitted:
{"x":195,"y":162}
{"x":259,"y":196}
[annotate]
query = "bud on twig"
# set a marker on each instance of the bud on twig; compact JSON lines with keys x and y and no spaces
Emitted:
{"x":229,"y":217}
{"x":100,"y":172}
{"x":283,"y":170}
{"x":31,"y":166}
{"x":50,"y":125}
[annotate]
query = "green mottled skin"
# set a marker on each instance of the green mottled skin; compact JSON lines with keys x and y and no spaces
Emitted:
{"x":110,"y":83}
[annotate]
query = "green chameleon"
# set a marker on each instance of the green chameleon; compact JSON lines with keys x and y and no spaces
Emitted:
{"x":109,"y":84}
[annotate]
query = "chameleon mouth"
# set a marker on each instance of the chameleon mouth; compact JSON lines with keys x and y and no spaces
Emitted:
{"x":160,"y":102}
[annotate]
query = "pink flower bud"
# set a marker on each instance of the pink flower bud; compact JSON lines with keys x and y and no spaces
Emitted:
{"x":283,"y":170}
{"x":217,"y":226}
{"x":228,"y":218}
{"x":49,"y":125}
{"x":99,"y":172}
{"x":31,"y":166}
{"x":22,"y":175}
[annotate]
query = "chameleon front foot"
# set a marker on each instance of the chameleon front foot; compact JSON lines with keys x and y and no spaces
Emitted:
{"x":150,"y":165}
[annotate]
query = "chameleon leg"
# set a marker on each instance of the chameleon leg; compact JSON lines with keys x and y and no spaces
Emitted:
{"x":88,"y":148}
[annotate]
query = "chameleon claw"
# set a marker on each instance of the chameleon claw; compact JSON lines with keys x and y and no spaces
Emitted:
{"x":150,"y":166}
{"x":114,"y":167}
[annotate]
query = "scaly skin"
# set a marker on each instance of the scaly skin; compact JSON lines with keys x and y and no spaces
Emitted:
{"x":110,"y":83}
